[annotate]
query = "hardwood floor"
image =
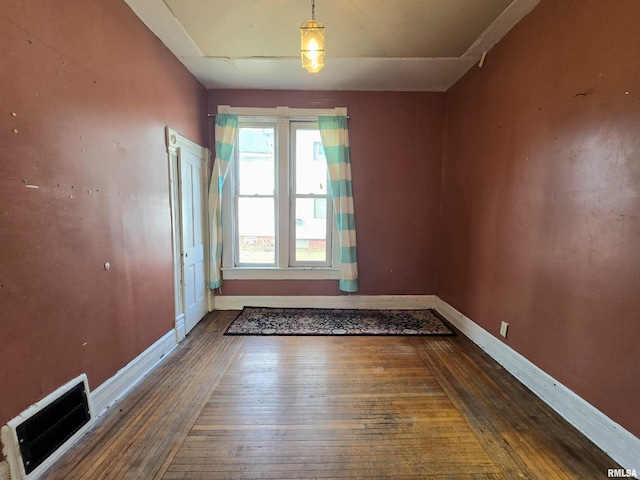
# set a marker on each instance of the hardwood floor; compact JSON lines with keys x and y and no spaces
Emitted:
{"x":330,"y":407}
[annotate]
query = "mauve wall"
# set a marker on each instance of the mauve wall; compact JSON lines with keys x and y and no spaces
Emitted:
{"x":396,"y":158}
{"x":541,"y":197}
{"x":84,"y":181}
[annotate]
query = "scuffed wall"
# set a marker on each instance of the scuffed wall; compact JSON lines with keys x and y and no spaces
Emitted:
{"x":85,"y":93}
{"x":541,"y":196}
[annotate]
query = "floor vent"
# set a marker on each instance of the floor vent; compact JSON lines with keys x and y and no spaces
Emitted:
{"x":41,"y":430}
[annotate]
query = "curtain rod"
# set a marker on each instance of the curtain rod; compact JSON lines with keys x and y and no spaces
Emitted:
{"x":214,"y":115}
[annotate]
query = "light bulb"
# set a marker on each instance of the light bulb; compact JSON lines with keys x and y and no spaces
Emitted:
{"x":312,"y":45}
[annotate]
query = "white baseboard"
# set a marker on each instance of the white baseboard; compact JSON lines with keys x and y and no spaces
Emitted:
{"x":620,"y":444}
{"x":106,"y":394}
{"x":181,"y":327}
{"x":99,"y":401}
{"x":4,"y":470}
{"x":387,"y":302}
{"x":211,"y":298}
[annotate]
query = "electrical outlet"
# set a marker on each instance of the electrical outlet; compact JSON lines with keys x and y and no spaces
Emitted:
{"x":504,"y":326}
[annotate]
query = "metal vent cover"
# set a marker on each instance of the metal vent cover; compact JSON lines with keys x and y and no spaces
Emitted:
{"x":43,"y":433}
{"x":37,"y":437}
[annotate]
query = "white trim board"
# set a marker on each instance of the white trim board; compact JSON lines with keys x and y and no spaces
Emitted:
{"x":281,"y":111}
{"x":117,"y":386}
{"x":181,"y":326}
{"x":4,"y":470}
{"x":388,"y":302}
{"x":106,"y":395}
{"x":621,"y":445}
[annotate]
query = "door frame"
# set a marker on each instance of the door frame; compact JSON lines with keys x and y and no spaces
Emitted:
{"x":175,"y":144}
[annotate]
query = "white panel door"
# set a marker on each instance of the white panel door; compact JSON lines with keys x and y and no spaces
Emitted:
{"x":192,"y":203}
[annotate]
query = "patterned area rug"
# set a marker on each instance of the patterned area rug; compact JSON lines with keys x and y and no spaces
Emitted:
{"x":315,"y":321}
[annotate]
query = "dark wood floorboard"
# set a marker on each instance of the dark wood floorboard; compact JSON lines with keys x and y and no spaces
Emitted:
{"x":330,"y":407}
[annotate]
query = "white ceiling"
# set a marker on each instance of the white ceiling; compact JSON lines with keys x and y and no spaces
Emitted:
{"x":402,"y":45}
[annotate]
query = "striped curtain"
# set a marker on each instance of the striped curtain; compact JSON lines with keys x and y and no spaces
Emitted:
{"x":226,"y":132}
{"x":335,"y":141}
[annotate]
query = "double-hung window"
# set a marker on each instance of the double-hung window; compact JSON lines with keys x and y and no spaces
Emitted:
{"x":277,"y":209}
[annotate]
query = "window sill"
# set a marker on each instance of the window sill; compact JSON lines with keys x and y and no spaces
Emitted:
{"x":302,"y":273}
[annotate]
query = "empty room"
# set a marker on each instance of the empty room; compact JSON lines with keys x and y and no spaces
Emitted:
{"x":295,"y":239}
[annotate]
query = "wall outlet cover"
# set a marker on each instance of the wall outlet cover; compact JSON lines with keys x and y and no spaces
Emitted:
{"x":504,"y":326}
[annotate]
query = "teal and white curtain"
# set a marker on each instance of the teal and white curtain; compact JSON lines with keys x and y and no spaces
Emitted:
{"x":335,"y":141}
{"x":226,"y":132}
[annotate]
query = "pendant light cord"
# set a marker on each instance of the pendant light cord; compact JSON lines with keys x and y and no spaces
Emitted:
{"x":313,"y":9}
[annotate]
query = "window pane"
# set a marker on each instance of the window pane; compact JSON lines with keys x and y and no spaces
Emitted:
{"x":311,"y":163}
{"x":256,"y":231}
{"x":256,"y":164}
{"x":311,"y":230}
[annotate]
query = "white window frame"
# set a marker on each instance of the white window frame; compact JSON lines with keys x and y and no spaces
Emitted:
{"x":282,"y":116}
{"x":294,"y":126}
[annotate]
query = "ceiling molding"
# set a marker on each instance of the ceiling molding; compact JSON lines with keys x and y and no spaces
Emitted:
{"x":159,"y":18}
{"x":500,"y":27}
{"x":285,"y":72}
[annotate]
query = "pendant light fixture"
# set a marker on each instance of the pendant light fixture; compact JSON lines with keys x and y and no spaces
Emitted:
{"x":312,"y":42}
